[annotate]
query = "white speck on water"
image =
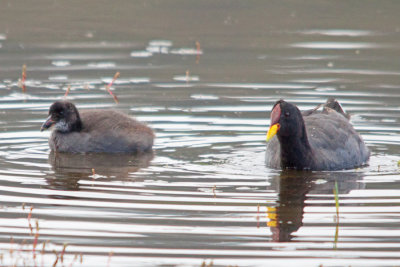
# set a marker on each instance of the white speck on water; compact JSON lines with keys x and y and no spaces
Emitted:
{"x":61,"y":63}
{"x":186,"y":51}
{"x":58,"y":77}
{"x":160,"y":43}
{"x":204,"y":97}
{"x":185,"y":78}
{"x":141,"y":54}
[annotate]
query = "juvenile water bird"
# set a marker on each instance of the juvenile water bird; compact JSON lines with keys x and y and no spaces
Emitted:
{"x":107,"y":131}
{"x":313,"y":140}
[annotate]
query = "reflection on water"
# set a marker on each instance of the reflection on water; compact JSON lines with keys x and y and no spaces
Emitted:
{"x":287,"y":217}
{"x":293,"y":187}
{"x":70,"y":168}
{"x":104,"y":164}
{"x":204,"y":75}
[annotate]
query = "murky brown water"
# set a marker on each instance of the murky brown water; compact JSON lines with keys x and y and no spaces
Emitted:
{"x":204,"y":195}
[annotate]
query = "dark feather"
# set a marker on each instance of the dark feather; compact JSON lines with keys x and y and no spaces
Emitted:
{"x":107,"y":131}
{"x":333,"y":143}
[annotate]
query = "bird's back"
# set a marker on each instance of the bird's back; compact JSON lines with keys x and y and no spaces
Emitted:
{"x":334,"y":142}
{"x":105,"y":131}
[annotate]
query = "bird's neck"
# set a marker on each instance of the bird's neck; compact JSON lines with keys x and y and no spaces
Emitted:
{"x":75,"y":122}
{"x":296,"y":152}
{"x":76,"y":126}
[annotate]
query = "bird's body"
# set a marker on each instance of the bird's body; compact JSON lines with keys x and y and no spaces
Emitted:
{"x":324,"y":140}
{"x":107,"y":131}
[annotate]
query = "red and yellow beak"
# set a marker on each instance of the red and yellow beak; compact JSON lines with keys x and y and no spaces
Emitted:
{"x":272,"y":131}
{"x":275,"y":126}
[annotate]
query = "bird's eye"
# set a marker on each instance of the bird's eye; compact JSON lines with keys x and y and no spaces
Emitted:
{"x":287,"y":114}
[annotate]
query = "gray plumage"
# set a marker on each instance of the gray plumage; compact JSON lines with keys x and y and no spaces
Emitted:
{"x":330,"y":142}
{"x":106,"y":131}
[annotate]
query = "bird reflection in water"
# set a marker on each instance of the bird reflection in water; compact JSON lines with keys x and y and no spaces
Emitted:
{"x":71,"y":168}
{"x":294,"y":187}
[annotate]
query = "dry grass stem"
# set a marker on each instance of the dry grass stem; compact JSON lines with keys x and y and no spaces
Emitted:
{"x":108,"y":87}
{"x":198,"y":49}
{"x":109,"y":258}
{"x":23,"y":80}
{"x":187,"y":76}
{"x":213,"y":190}
{"x":67,"y":92}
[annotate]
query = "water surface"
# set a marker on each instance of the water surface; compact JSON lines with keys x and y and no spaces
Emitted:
{"x":204,"y":75}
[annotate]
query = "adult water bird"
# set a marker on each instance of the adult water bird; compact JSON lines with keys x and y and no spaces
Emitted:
{"x":107,"y":131}
{"x":313,"y":140}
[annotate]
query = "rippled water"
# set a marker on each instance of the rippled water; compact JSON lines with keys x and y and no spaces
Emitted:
{"x":204,"y":75}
